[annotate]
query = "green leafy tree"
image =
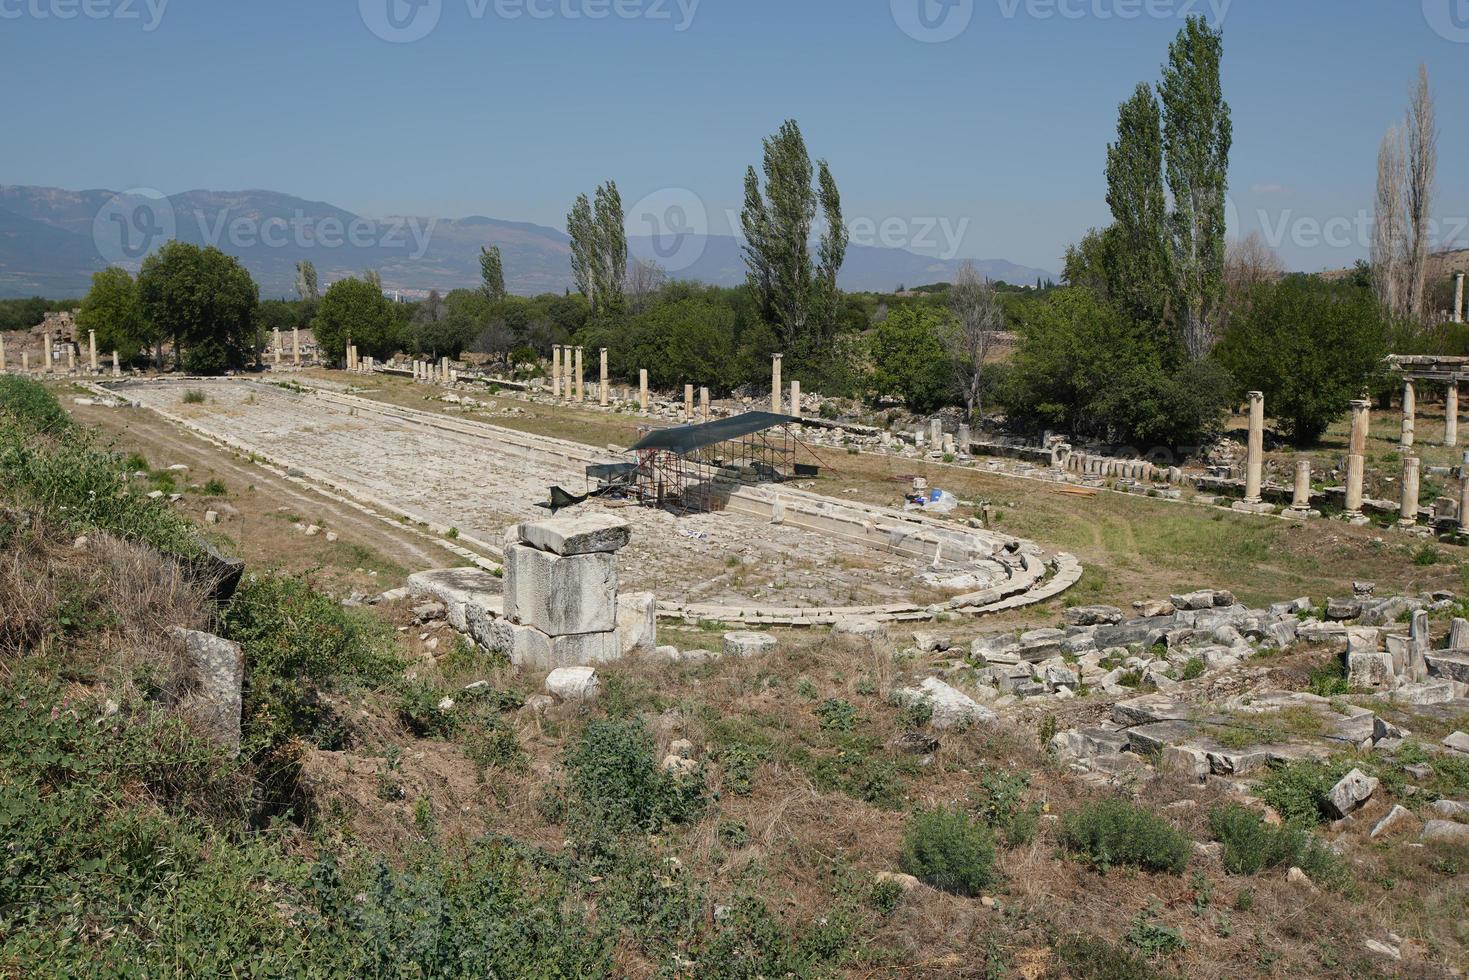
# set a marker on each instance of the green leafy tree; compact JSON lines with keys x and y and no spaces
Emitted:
{"x":611,"y":221}
{"x":1084,"y":367}
{"x":112,"y":309}
{"x":1310,"y":346}
{"x":1136,"y":252}
{"x":355,"y":309}
{"x":492,"y":271}
{"x":911,"y":354}
{"x":205,"y":301}
{"x":585,"y":253}
{"x":797,"y":298}
{"x":1197,"y":136}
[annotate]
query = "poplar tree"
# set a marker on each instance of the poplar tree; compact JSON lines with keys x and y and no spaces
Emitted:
{"x":584,"y":251}
{"x":492,"y":271}
{"x":611,"y":244}
{"x":1197,"y":137}
{"x":1138,"y":274}
{"x":797,"y":298}
{"x":306,"y":287}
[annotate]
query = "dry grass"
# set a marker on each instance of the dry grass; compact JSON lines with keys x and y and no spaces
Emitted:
{"x":104,"y":604}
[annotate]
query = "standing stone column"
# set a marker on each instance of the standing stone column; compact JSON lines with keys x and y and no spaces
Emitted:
{"x":1301,"y":504}
{"x":1451,"y":415}
{"x":116,"y":364}
{"x":1464,"y":493}
{"x":1361,"y":425}
{"x":704,"y":404}
{"x":276,"y":346}
{"x":1255,"y":457}
{"x":796,"y":399}
{"x":1356,"y":469}
{"x":25,"y":362}
{"x":775,"y":383}
{"x":296,"y":345}
{"x":603,"y":393}
{"x":2,"y":355}
{"x":643,"y":389}
{"x":1410,"y":414}
{"x":92,"y":349}
{"x":444,"y":370}
{"x":1408,"y":516}
{"x":688,"y":403}
{"x":71,"y":358}
{"x":555,"y":370}
{"x":46,"y":364}
{"x":1459,"y":310}
{"x":580,"y":378}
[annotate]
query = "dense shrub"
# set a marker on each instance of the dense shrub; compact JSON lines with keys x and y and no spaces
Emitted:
{"x":617,"y":781}
{"x":1298,"y":789}
{"x":911,"y":357}
{"x":1252,"y":845}
{"x":1311,"y":346}
{"x":1084,"y":367}
{"x":950,"y":850}
{"x":31,"y":405}
{"x":1115,"y":832}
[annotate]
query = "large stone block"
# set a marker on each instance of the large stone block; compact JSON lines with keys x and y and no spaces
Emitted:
{"x":530,"y":649}
{"x":213,"y":697}
{"x":561,"y":596}
{"x":580,"y":535}
{"x":459,"y":589}
{"x":637,"y":623}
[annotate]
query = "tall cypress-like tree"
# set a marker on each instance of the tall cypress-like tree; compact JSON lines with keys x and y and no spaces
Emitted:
{"x":306,"y":286}
{"x":611,"y":243}
{"x":585,"y":254}
{"x":1197,"y":136}
{"x":492,"y":271}
{"x":1137,"y":259}
{"x":797,"y":298}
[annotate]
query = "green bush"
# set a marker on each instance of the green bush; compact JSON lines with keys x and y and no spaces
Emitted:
{"x":616,"y":780}
{"x":1153,"y":939}
{"x":1298,"y":789}
{"x":1251,"y":845}
{"x":1115,"y":832}
{"x":31,"y":405}
{"x":194,"y":396}
{"x":837,"y":715}
{"x":950,"y":850}
{"x":1093,"y":958}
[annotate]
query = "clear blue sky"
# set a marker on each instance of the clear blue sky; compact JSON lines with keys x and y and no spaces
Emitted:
{"x":1003,"y":127}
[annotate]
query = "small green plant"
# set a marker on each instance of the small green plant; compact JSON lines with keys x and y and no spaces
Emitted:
{"x":1115,"y":832}
{"x":1298,"y":789}
{"x":915,"y":714}
{"x":806,"y":688}
{"x":214,"y":488}
{"x":885,"y":897}
{"x":1192,"y":670}
{"x":837,"y":715}
{"x":494,"y":746}
{"x":949,"y":850}
{"x":194,"y":397}
{"x":618,"y":784}
{"x":1427,"y":555}
{"x":1330,"y":680}
{"x":1151,"y":938}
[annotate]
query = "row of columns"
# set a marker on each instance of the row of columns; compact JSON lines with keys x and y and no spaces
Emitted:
{"x":1410,"y":414}
{"x":93,"y":363}
{"x":295,"y":346}
{"x":567,"y":380}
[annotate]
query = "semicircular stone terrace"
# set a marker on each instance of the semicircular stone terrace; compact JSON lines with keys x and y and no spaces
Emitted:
{"x":777,"y":555}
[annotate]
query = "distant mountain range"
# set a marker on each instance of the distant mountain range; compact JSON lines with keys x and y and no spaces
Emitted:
{"x":52,"y":240}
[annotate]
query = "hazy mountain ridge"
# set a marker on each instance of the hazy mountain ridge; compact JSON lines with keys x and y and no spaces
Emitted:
{"x":49,"y":245}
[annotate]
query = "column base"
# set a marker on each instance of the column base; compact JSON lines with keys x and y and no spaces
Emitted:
{"x":1301,"y":513}
{"x":1252,"y":507}
{"x":1356,"y":518}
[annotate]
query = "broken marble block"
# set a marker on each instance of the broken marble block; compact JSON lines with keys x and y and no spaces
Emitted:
{"x":1348,"y":795}
{"x":574,"y":683}
{"x":580,"y":535}
{"x":950,"y":708}
{"x":637,"y":623}
{"x":214,"y":695}
{"x":560,"y":595}
{"x":748,"y":644}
